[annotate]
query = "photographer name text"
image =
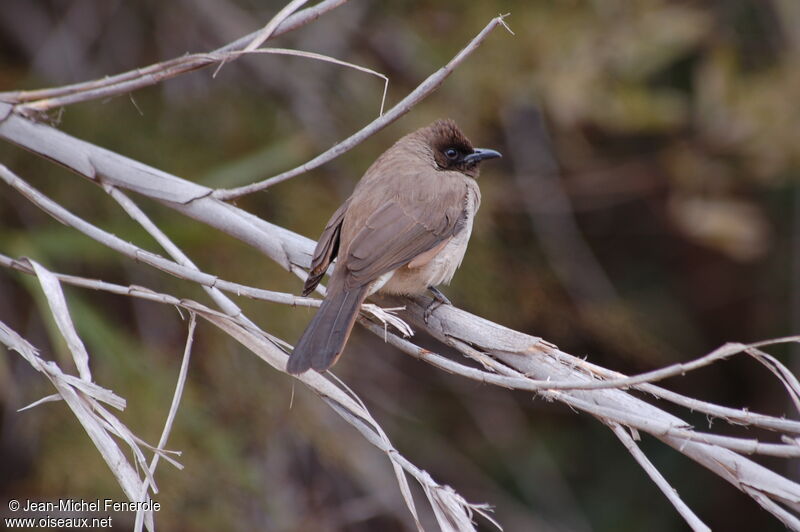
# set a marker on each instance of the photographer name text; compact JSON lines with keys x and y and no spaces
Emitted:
{"x":83,"y":505}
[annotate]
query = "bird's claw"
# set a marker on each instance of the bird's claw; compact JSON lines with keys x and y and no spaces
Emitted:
{"x":439,"y":299}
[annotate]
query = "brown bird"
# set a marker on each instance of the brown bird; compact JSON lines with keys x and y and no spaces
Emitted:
{"x":404,"y":230}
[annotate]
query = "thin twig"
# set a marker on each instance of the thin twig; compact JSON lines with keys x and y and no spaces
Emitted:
{"x":669,"y":492}
{"x":138,"y":254}
{"x":327,"y":59}
{"x":730,"y":415}
{"x":642,"y":422}
{"x":265,"y":33}
{"x":423,"y":90}
{"x":133,"y":210}
{"x":173,"y":410}
{"x":517,"y":381}
{"x":456,"y":510}
{"x":344,"y":402}
{"x":788,"y":519}
{"x":45,"y":99}
{"x":94,"y":419}
{"x":681,"y":430}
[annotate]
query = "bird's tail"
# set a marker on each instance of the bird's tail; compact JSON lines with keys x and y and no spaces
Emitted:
{"x":324,"y":338}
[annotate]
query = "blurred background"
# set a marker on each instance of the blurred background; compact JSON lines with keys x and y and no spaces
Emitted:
{"x":646,"y":211}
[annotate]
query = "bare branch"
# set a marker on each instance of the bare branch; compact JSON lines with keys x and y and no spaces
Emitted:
{"x":449,"y":505}
{"x":508,"y":358}
{"x":132,"y":80}
{"x":138,"y":254}
{"x":326,"y":59}
{"x":529,"y":356}
{"x":266,"y":32}
{"x":402,"y":107}
{"x":668,"y":491}
{"x":58,"y":308}
{"x":95,"y":420}
{"x":451,"y":510}
{"x":625,"y":416}
{"x":133,"y":210}
{"x":173,"y":410}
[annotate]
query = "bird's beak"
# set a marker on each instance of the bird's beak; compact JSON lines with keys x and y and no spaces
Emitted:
{"x":480,"y":154}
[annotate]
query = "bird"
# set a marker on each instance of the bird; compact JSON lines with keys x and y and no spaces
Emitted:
{"x":404,"y":230}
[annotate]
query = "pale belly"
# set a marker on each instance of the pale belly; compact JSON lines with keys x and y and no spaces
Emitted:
{"x":439,"y":270}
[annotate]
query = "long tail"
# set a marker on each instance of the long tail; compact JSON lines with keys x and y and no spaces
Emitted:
{"x":324,"y":338}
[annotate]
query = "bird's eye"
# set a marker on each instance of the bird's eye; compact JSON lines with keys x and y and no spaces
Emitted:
{"x":451,"y":153}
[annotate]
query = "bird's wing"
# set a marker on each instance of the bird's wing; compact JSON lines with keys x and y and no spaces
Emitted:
{"x":326,"y":250}
{"x":399,"y":231}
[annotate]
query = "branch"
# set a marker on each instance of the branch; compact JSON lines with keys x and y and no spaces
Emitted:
{"x":669,"y":492}
{"x":189,"y":272}
{"x":448,"y":505}
{"x":44,"y":99}
{"x":173,"y":410}
{"x":528,"y":356}
{"x":402,"y":107}
{"x":509,"y":358}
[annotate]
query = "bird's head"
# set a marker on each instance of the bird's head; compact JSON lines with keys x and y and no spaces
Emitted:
{"x":451,"y":149}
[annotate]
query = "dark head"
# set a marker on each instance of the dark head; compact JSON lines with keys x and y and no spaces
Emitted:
{"x":451,"y":150}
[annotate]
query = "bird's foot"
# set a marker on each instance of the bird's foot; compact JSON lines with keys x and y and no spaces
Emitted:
{"x":439,"y":299}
